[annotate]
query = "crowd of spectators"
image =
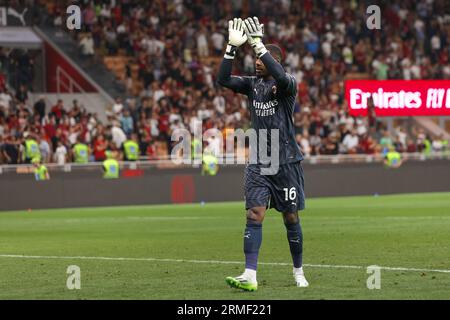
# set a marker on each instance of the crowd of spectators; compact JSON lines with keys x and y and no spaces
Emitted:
{"x":57,"y":128}
{"x":18,"y":64}
{"x":178,"y":45}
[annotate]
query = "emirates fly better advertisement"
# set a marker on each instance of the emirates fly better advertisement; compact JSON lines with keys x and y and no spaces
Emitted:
{"x":394,"y":98}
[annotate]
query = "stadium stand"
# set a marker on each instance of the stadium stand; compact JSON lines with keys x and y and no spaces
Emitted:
{"x":167,"y":63}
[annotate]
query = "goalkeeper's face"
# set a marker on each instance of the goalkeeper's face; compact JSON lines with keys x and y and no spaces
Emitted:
{"x":260,"y":68}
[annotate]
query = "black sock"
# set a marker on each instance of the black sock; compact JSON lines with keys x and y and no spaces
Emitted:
{"x":252,"y":243}
{"x":295,"y":238}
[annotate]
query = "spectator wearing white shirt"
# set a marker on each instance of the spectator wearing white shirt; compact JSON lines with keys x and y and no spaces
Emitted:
{"x":175,"y":117}
{"x":176,"y":125}
{"x":292,"y":60}
{"x":435,"y":44}
{"x":415,"y":70}
{"x":303,"y":142}
{"x":438,"y":144}
{"x":60,"y":155}
{"x":215,"y":145}
{"x":118,"y":106}
{"x":347,"y":54}
{"x":152,"y":45}
{"x":315,"y":142}
{"x":121,"y":28}
{"x":350,"y":142}
{"x":195,"y":123}
{"x":154,"y":131}
{"x":218,"y":41}
{"x":401,"y":134}
{"x":118,"y":136}
{"x":5,"y":100}
{"x":87,"y":45}
{"x":406,"y":68}
{"x":154,"y":20}
{"x":249,"y":64}
{"x":158,"y":93}
{"x":207,"y":76}
{"x":202,"y":43}
{"x":308,"y":61}
{"x":326,"y":48}
{"x":203,"y":113}
{"x":105,"y":12}
{"x":219,"y":103}
{"x":361,"y":126}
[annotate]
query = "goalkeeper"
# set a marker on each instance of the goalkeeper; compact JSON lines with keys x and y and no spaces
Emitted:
{"x":271,"y":94}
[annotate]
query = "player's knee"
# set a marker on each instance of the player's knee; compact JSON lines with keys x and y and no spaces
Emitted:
{"x":290,"y":218}
{"x":255,"y":215}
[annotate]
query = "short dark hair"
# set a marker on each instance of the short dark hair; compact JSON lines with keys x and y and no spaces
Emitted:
{"x":275,"y":51}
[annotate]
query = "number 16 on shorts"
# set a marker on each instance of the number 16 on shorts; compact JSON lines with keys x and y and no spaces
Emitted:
{"x":290,"y":194}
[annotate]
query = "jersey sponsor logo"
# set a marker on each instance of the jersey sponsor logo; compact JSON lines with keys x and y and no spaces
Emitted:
{"x":264,"y":109}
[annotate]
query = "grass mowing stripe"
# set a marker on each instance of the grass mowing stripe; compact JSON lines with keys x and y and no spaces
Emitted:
{"x":219,"y":262}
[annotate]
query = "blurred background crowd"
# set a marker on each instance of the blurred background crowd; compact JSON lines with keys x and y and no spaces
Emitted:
{"x":173,"y":50}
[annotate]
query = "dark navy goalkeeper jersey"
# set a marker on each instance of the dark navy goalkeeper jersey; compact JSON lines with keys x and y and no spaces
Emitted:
{"x":272,"y":108}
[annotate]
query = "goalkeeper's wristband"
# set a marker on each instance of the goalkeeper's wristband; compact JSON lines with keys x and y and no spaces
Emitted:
{"x":259,"y":48}
{"x":230,"y":52}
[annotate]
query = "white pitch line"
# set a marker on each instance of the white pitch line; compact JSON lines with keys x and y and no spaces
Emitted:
{"x":217,"y":262}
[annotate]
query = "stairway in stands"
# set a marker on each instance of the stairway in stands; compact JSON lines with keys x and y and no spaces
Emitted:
{"x":94,"y":68}
{"x":431,"y":126}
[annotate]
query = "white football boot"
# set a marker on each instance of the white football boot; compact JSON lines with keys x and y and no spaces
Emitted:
{"x":299,"y":277}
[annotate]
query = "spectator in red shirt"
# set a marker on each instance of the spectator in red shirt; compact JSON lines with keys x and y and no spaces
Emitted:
{"x":151,"y":150}
{"x":163,"y":124}
{"x":367,"y":145}
{"x":13,"y":123}
{"x":58,"y":110}
{"x":100,"y":146}
{"x":411,"y":146}
{"x":50,"y":127}
{"x":2,"y":81}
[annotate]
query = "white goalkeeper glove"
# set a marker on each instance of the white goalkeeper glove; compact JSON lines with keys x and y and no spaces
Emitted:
{"x":254,"y":31}
{"x":236,"y":37}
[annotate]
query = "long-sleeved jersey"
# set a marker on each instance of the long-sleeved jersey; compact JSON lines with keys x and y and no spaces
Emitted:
{"x":271,"y":104}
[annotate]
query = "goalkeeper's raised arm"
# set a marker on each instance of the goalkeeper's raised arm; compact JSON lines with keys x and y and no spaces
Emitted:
{"x":254,"y":32}
{"x":236,"y":37}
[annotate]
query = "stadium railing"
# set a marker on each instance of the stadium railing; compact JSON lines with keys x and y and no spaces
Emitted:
{"x":168,"y":163}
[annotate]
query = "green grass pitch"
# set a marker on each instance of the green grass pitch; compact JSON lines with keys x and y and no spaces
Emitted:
{"x":186,"y":251}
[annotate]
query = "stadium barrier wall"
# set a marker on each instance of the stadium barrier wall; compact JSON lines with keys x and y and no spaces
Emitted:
{"x":86,"y":188}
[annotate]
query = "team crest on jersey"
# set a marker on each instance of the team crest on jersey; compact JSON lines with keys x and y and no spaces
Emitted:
{"x":274,"y":89}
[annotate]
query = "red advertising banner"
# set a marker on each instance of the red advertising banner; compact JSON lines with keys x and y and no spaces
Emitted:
{"x":398,"y":98}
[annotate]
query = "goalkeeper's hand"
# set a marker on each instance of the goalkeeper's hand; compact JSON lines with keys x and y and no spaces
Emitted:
{"x":254,"y":32}
{"x":236,"y":37}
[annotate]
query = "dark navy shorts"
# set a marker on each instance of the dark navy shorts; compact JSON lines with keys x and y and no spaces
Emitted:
{"x":283,"y":191}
